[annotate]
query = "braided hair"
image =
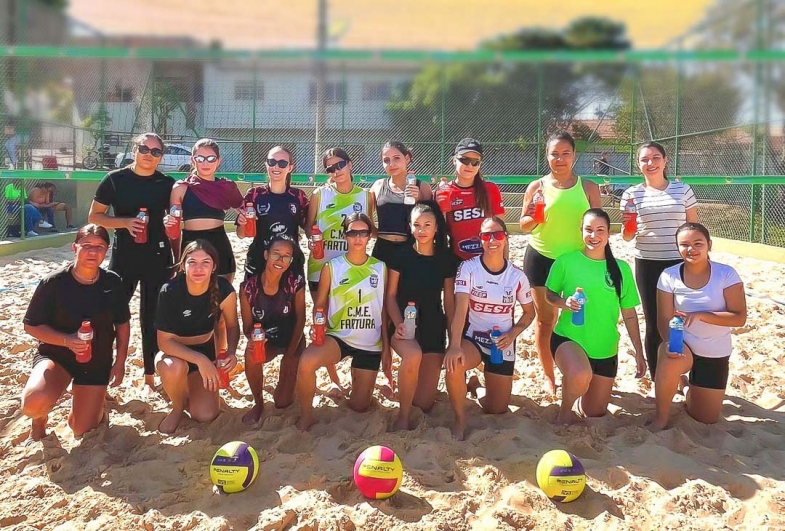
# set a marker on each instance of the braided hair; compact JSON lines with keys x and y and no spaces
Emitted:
{"x":610,"y":261}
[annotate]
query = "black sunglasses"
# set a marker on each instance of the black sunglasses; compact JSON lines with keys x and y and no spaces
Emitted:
{"x":208,"y":158}
{"x":332,"y":168}
{"x":469,"y":162}
{"x":145,"y":150}
{"x":280,"y":163}
{"x":360,"y":233}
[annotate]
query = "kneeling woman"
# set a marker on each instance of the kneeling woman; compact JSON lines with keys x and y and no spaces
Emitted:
{"x":486,"y":288}
{"x":188,"y":309}
{"x":710,"y":297}
{"x":79,"y":291}
{"x":351,"y":292}
{"x":274,"y":298}
{"x":587,"y":354}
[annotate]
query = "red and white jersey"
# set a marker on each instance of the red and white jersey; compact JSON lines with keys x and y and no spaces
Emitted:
{"x":464,"y":217}
{"x":492,"y":299}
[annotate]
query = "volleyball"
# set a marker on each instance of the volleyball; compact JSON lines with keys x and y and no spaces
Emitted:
{"x":561,"y":476}
{"x":234,"y":467}
{"x":378,"y":473}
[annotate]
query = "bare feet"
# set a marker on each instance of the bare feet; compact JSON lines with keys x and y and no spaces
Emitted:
{"x":655,"y":425}
{"x":171,"y":421}
{"x":253,"y":415}
{"x":549,"y":386}
{"x":684,"y":385}
{"x":402,"y":423}
{"x":472,"y":385}
{"x":304,"y":422}
{"x":336,"y":392}
{"x":148,"y":387}
{"x":567,"y":418}
{"x":387,"y":392}
{"x":38,"y":430}
{"x":459,"y":430}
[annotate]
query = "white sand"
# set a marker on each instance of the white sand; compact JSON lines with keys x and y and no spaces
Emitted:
{"x":125,"y":475}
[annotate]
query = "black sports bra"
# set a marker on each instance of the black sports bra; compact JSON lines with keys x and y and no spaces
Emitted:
{"x":194,"y":208}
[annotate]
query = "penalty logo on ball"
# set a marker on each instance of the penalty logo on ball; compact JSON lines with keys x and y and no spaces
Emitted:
{"x":234,"y":467}
{"x":561,"y":476}
{"x":378,"y":473}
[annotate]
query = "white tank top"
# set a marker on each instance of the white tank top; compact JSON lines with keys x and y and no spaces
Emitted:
{"x":354,"y":312}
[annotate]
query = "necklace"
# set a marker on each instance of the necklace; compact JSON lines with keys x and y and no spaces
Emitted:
{"x":83,"y":280}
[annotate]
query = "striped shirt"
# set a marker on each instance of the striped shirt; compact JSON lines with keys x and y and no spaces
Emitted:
{"x":660,"y":213}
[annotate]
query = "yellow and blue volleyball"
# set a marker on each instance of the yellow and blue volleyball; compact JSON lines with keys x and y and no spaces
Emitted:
{"x":378,"y":473}
{"x":234,"y":467}
{"x":561,"y":476}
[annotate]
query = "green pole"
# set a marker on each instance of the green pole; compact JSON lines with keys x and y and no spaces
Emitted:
{"x":765,"y":38}
{"x":343,"y":104}
{"x":677,"y":146}
{"x":24,"y":142}
{"x":255,"y":158}
{"x":632,"y":121}
{"x":442,"y":146}
{"x":756,"y":117}
{"x":102,"y":106}
{"x":540,"y":97}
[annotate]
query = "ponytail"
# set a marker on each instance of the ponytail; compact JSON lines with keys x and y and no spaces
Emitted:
{"x":481,"y":195}
{"x":215,"y":304}
{"x":610,"y":261}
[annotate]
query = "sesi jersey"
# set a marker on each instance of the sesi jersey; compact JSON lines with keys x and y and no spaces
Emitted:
{"x":492,"y":299}
{"x":464,"y":217}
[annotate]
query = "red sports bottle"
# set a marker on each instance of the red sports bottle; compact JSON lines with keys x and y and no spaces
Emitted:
{"x":141,"y":235}
{"x":173,"y":232}
{"x":250,"y":226}
{"x":319,"y":325}
{"x":258,"y":338}
{"x":317,"y":243}
{"x":85,"y":333}
{"x":539,"y":207}
{"x":630,"y":218}
{"x":223,"y":374}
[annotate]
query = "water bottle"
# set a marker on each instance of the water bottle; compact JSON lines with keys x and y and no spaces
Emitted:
{"x":258,"y":339}
{"x":317,"y":243}
{"x":539,"y":207}
{"x":319,"y":325}
{"x":409,"y":320}
{"x":223,"y":374}
{"x":411,"y":180}
{"x":579,"y":317}
{"x":85,"y":333}
{"x":173,"y":232}
{"x":496,"y":353}
{"x":443,"y":183}
{"x":676,"y":335}
{"x":630,"y":217}
{"x":250,"y":226}
{"x":141,"y":235}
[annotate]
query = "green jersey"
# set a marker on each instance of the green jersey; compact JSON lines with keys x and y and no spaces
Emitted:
{"x":333,"y":208}
{"x":599,"y":335}
{"x":355,"y":308}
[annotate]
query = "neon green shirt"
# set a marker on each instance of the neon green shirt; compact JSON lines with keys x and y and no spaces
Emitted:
{"x":561,"y":232}
{"x":599,"y":335}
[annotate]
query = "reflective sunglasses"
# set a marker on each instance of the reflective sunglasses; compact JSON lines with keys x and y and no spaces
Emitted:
{"x":469,"y":162}
{"x":497,"y":235}
{"x":209,"y":158}
{"x":145,"y":150}
{"x":276,"y":257}
{"x":280,"y":163}
{"x":332,"y":168}
{"x":361,"y":233}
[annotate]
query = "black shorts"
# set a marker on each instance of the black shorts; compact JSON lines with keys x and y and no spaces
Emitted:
{"x":218,"y":238}
{"x":385,"y":250}
{"x":207,"y":348}
{"x":273,"y":351}
{"x":607,"y":367}
{"x":709,"y":373}
{"x":367,"y":360}
{"x":94,"y":372}
{"x":505,"y":368}
{"x":536,"y":266}
{"x":431,"y":338}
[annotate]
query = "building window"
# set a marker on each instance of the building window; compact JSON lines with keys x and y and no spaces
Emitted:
{"x":120,"y":94}
{"x":376,"y":90}
{"x":243,"y":90}
{"x":334,"y":92}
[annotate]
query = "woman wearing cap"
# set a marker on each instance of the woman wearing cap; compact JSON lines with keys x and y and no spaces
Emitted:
{"x":79,"y":291}
{"x":566,"y":197}
{"x":468,"y":199}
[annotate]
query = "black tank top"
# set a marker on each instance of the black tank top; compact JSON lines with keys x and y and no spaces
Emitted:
{"x":194,"y":208}
{"x":392,"y":213}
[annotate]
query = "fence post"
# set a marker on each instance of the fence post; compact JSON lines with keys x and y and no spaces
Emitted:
{"x":443,"y":121}
{"x":102,"y":108}
{"x":677,"y":147}
{"x":765,"y":38}
{"x":254,"y":152}
{"x":632,"y":120}
{"x":344,"y":98}
{"x":540,"y":95}
{"x":754,"y":200}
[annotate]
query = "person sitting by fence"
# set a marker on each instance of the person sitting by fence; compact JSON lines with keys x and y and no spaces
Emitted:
{"x":42,"y":198}
{"x":14,"y":200}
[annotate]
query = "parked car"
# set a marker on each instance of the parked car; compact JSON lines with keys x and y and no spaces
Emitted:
{"x":177,"y":157}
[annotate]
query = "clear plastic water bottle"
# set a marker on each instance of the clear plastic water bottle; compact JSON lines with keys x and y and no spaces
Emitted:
{"x":676,"y":335}
{"x":497,"y":356}
{"x":410,"y":320}
{"x":173,"y":231}
{"x":411,"y":180}
{"x":579,"y":317}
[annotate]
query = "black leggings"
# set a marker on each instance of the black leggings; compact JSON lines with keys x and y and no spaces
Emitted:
{"x":647,"y":273}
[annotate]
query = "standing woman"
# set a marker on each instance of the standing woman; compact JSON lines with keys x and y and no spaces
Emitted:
{"x":79,"y":291}
{"x":205,"y":200}
{"x":189,"y":308}
{"x":421,"y":273}
{"x":486,"y":288}
{"x":128,"y":190}
{"x":566,"y":198}
{"x":388,"y":194}
{"x":710,"y":297}
{"x":662,"y":206}
{"x":587,"y":355}
{"x":351,"y":292}
{"x":274,"y":298}
{"x":468,"y":200}
{"x":280,"y":210}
